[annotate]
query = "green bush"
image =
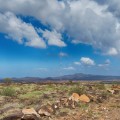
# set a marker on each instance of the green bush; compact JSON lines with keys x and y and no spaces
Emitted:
{"x":80,"y":90}
{"x":8,"y":91}
{"x":100,"y":86}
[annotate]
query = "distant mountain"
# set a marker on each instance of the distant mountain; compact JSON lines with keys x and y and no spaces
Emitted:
{"x":81,"y":76}
{"x":77,"y":76}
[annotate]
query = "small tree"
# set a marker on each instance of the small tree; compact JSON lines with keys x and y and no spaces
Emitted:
{"x":70,"y":81}
{"x":8,"y":81}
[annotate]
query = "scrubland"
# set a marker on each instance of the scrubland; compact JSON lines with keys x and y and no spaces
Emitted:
{"x":104,"y":101}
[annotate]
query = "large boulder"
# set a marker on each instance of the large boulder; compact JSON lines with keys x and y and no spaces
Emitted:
{"x":10,"y":111}
{"x":84,"y":98}
{"x":116,"y":89}
{"x":14,"y":115}
{"x":30,"y":113}
{"x":111,"y":91}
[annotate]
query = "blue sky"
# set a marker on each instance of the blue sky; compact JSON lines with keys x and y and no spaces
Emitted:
{"x":52,"y":38}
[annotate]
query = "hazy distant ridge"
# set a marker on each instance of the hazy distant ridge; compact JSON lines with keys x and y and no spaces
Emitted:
{"x":77,"y":76}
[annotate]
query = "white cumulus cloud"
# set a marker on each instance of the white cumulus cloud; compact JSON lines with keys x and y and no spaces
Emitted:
{"x":87,"y":61}
{"x":20,"y":31}
{"x":53,"y":38}
{"x":85,"y":21}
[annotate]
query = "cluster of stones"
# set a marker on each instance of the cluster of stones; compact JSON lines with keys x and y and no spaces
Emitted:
{"x":50,"y":109}
{"x":47,"y":110}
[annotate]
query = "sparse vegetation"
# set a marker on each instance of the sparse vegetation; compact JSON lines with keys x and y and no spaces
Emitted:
{"x":8,"y":91}
{"x":78,"y":89}
{"x":100,"y":86}
{"x":35,"y":95}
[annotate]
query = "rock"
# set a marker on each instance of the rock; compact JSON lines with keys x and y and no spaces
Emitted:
{"x":116,"y":87}
{"x":10,"y":112}
{"x":111,"y":91}
{"x":64,"y":101}
{"x":74,"y":97}
{"x":16,"y":115}
{"x":84,"y":98}
{"x":68,"y":103}
{"x":71,"y":104}
{"x":30,"y":117}
{"x":30,"y":112}
{"x":56,"y":105}
{"x":9,"y":107}
{"x":46,"y":110}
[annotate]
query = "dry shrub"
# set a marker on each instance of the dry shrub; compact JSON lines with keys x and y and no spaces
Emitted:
{"x":8,"y":91}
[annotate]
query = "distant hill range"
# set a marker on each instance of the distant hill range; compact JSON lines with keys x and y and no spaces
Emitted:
{"x":75,"y":77}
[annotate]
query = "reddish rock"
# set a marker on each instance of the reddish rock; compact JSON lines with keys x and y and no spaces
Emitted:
{"x":30,"y":111}
{"x":84,"y":98}
{"x":74,"y":97}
